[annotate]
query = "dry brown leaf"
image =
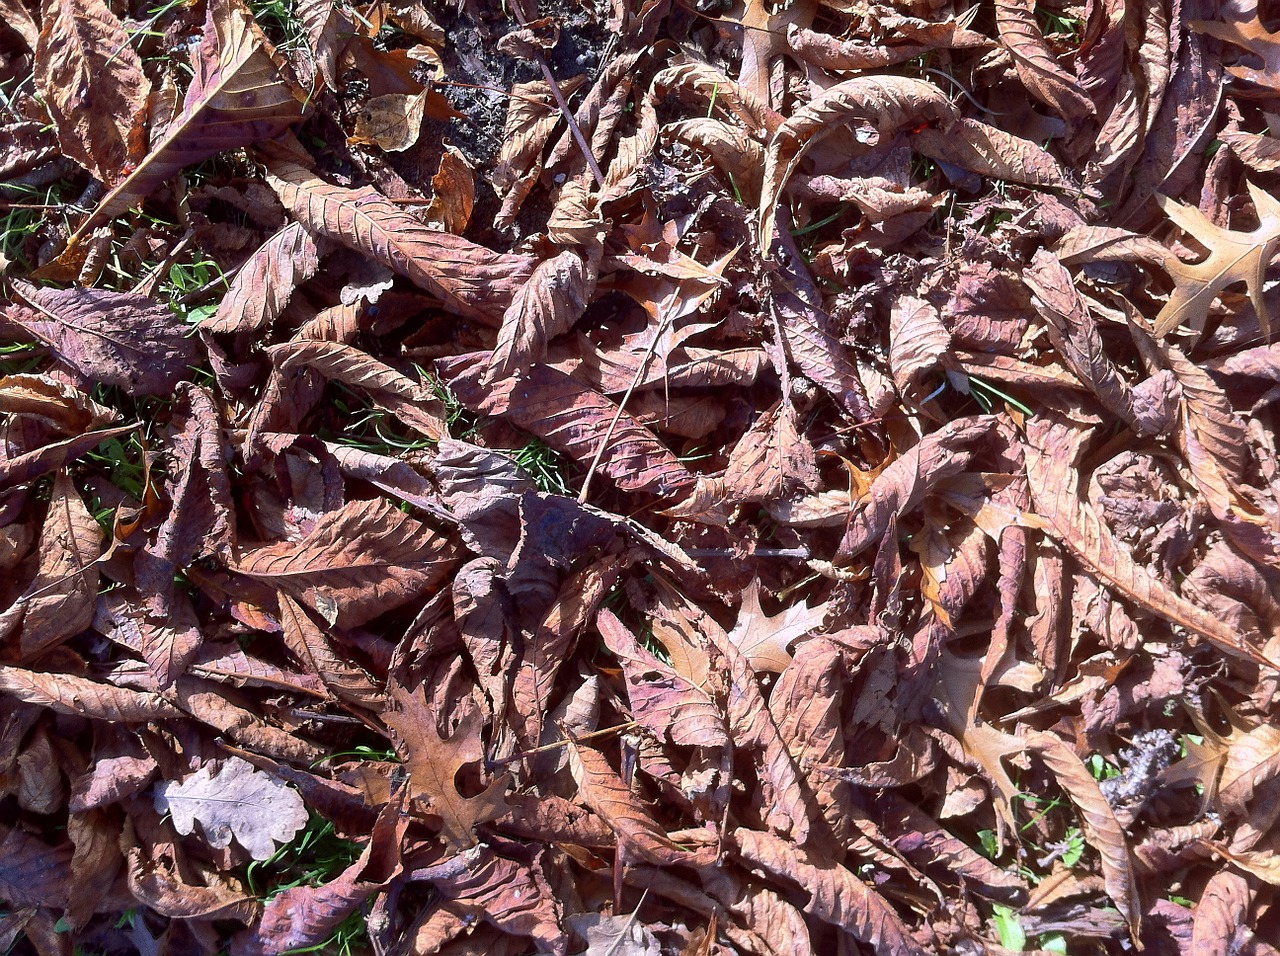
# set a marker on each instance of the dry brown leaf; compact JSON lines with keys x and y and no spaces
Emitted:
{"x":836,"y":896}
{"x":435,"y":760}
{"x":1233,"y":257}
{"x":92,"y":83}
{"x":1101,"y":828}
{"x":358,"y":562}
{"x":469,"y":279}
{"x":873,"y":105}
{"x":1037,"y":67}
{"x":1075,"y":523}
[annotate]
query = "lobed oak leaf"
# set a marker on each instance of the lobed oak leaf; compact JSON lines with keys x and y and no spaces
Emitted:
{"x":434,"y":762}
{"x":1252,"y":36}
{"x":1234,"y":256}
{"x":236,"y":800}
{"x":765,"y":641}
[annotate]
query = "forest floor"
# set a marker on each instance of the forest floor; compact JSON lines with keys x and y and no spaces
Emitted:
{"x":674,"y":477}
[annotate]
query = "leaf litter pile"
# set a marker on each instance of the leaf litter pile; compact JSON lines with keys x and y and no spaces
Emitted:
{"x":671,"y":477}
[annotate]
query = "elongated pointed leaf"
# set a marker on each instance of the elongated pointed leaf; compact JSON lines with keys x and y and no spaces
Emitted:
{"x":469,"y":279}
{"x":238,"y":95}
{"x":115,"y":338}
{"x":92,"y":83}
{"x":360,"y":561}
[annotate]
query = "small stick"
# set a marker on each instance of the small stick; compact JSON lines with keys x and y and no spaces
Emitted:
{"x":562,"y":743}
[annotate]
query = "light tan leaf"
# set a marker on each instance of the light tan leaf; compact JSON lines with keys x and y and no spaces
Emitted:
{"x":764,"y":640}
{"x":453,"y":191}
{"x":1101,"y":828}
{"x":1233,"y":257}
{"x":91,"y":80}
{"x":238,"y":801}
{"x":391,"y":122}
{"x":434,"y":762}
{"x":469,"y":279}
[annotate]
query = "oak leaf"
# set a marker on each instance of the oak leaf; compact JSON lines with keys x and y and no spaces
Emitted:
{"x":236,"y":800}
{"x":1233,"y":257}
{"x":435,"y":760}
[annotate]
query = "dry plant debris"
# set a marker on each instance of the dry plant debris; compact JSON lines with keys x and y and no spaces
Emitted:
{"x":643,"y":476}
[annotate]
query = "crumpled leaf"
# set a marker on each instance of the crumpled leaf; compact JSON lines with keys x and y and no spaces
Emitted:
{"x":237,"y":95}
{"x":262,"y":287}
{"x":1050,"y":474}
{"x":469,"y":279}
{"x":771,"y":459}
{"x":876,"y":105}
{"x":115,"y":338}
{"x":580,"y":422}
{"x":413,"y":403}
{"x":553,"y":299}
{"x":304,"y":916}
{"x":237,"y":801}
{"x":91,"y":81}
{"x":58,"y":603}
{"x":359,"y":561}
{"x":1039,"y":70}
{"x":836,"y":895}
{"x":615,"y":935}
{"x":903,"y":485}
{"x":601,"y":789}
